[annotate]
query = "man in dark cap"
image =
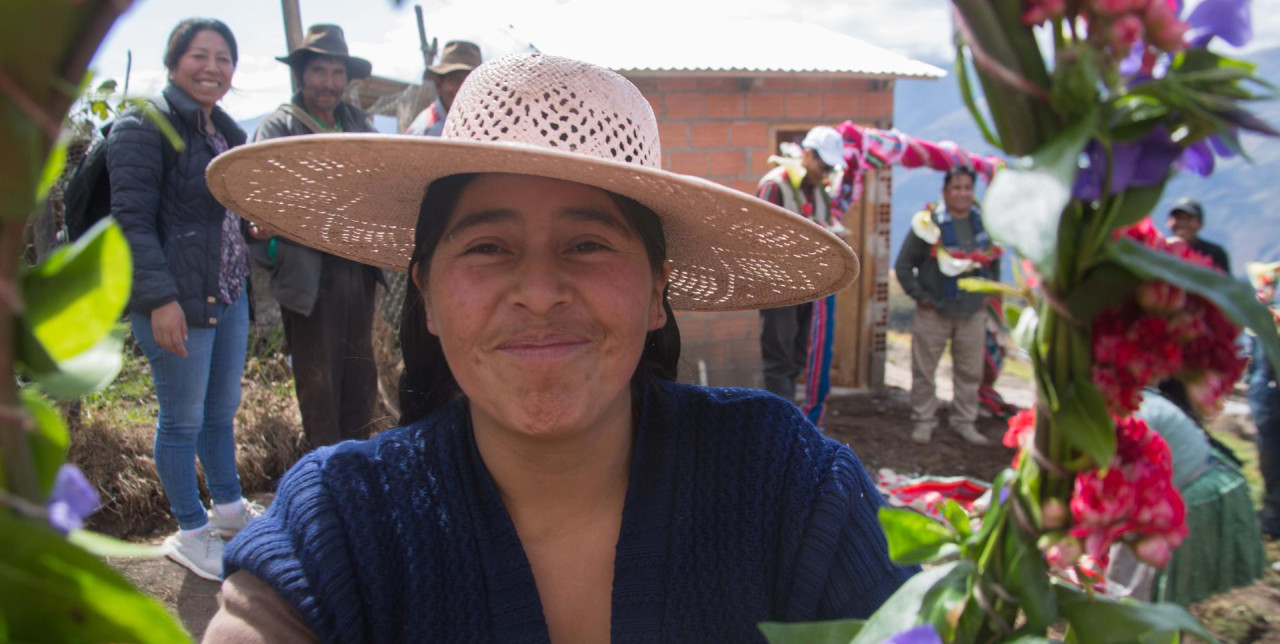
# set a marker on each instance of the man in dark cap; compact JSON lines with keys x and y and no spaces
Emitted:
{"x":1186,"y":218}
{"x":326,"y":302}
{"x":456,"y":62}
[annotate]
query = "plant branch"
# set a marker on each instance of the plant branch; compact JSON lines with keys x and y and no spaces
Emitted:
{"x":51,"y":127}
{"x":18,"y":467}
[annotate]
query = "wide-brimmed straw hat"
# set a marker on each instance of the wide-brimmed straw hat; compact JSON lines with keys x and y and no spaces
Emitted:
{"x":358,"y":195}
{"x":328,"y":40}
{"x":458,"y":56}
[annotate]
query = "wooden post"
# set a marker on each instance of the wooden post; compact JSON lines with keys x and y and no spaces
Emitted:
{"x":292,"y":31}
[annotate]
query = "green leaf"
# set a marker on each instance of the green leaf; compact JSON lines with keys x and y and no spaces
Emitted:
{"x":957,"y":517}
{"x":1133,"y":204}
{"x":943,"y":599}
{"x":1024,"y":203}
{"x":49,"y":441}
{"x":104,"y":546}
{"x":1084,"y":422}
{"x":83,"y":288}
{"x":833,"y":632}
{"x":1026,"y":577}
{"x":52,"y":170}
{"x":52,"y":591}
{"x":983,"y":285}
{"x":1099,"y":620}
{"x":1012,"y":314}
{"x":1103,"y":286}
{"x":90,"y":371}
{"x":903,"y":610}
{"x":966,"y":92}
{"x":1234,"y":297}
{"x":915,"y":538}
{"x":106,"y":87}
{"x":100,"y":110}
{"x":1024,"y":331}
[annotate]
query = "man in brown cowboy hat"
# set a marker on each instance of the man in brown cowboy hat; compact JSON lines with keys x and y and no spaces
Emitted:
{"x":326,"y":302}
{"x":458,"y":59}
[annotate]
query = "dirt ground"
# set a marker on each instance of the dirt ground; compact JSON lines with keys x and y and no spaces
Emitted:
{"x":876,"y":426}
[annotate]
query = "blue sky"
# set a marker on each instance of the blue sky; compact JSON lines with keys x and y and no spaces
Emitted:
{"x":386,"y":34}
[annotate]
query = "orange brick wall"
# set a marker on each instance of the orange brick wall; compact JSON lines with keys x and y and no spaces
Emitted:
{"x":722,"y":129}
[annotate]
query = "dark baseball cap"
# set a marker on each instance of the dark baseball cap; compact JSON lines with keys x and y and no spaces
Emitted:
{"x":1189,"y":206}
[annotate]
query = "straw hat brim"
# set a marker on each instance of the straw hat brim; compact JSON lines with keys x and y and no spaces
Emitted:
{"x":358,"y":196}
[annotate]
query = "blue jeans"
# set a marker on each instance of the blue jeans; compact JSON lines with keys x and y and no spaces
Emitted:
{"x":1264,"y":403}
{"x":198,"y":397}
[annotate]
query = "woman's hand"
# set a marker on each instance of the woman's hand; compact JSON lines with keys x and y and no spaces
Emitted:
{"x":169,"y":328}
{"x":258,"y":233}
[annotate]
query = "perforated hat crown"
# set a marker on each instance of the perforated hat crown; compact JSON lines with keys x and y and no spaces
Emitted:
{"x":569,"y":106}
{"x":359,"y":195}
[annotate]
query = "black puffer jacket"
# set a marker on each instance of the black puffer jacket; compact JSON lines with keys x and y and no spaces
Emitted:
{"x":173,"y":224}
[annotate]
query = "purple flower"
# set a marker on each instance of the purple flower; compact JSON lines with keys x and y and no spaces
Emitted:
{"x":1197,"y":158}
{"x":1226,"y":19}
{"x":925,"y":634}
{"x":1140,"y":163}
{"x":73,"y":498}
{"x":1004,"y":495}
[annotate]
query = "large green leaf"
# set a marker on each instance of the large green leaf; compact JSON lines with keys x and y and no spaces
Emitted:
{"x":904,"y":609}
{"x":1099,"y":620}
{"x":1025,"y":201}
{"x":1027,"y":578}
{"x":1084,"y":421}
{"x":88,"y":372}
{"x":79,"y":292}
{"x":104,"y":546}
{"x":49,"y":441}
{"x":1103,"y":286}
{"x":1234,"y":297}
{"x":834,"y":632}
{"x":915,"y":538}
{"x":52,"y":591}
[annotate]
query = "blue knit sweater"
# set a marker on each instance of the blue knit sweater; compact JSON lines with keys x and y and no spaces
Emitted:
{"x":737,"y":511}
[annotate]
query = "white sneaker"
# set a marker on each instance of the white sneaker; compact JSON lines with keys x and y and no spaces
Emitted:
{"x":229,"y":527}
{"x":971,"y":435}
{"x":201,"y":553}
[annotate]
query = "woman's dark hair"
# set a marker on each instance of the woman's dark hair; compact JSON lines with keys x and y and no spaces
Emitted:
{"x":182,"y":35}
{"x":956,"y":171}
{"x":427,"y":382}
{"x":1175,"y":391}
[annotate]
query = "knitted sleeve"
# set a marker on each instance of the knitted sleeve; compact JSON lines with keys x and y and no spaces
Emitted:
{"x":843,"y":568}
{"x":299,"y":548}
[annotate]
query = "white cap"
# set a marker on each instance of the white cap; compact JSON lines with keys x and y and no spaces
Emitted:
{"x":829,"y":145}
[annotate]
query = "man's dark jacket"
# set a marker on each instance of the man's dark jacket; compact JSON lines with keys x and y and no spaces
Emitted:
{"x":172,"y":222}
{"x":295,"y":269}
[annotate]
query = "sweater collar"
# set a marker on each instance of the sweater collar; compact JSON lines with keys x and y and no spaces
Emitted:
{"x":515,"y":609}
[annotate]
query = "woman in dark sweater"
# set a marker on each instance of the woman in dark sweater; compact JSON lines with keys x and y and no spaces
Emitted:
{"x":189,"y":308}
{"x":552,"y":482}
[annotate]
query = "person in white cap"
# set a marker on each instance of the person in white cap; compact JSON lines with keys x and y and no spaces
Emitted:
{"x":797,"y":339}
{"x":552,"y":482}
{"x":947,"y":242}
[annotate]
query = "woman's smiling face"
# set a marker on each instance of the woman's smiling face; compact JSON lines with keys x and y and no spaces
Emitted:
{"x":542,"y":295}
{"x":205,"y":69}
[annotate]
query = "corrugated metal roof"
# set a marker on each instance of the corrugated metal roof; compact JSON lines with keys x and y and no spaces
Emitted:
{"x":739,"y":45}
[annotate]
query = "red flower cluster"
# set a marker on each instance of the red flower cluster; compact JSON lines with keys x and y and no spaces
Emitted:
{"x":1022,"y":430}
{"x":1119,"y":24}
{"x":1162,"y":332}
{"x":1133,"y":499}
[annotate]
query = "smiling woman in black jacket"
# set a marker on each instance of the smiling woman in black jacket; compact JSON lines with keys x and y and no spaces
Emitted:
{"x":189,"y":308}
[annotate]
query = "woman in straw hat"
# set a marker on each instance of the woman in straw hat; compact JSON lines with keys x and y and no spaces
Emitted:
{"x":551,"y":481}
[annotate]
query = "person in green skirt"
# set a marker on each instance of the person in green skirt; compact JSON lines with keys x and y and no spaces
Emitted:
{"x":1223,"y":548}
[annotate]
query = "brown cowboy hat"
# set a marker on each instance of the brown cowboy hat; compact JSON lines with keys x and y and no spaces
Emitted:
{"x":459,"y":55}
{"x":328,"y":40}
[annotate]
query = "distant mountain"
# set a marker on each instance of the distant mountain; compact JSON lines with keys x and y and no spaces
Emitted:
{"x":1234,"y":196}
{"x":383,"y":123}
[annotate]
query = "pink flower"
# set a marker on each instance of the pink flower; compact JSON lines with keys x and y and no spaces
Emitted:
{"x":1055,"y":514}
{"x":1154,"y":550}
{"x":1022,"y":430}
{"x":1125,"y":32}
{"x":1063,"y":554}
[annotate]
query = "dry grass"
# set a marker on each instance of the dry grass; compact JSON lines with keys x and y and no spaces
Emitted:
{"x":112,"y":436}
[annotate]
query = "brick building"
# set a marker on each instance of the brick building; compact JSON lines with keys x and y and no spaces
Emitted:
{"x":725,"y":100}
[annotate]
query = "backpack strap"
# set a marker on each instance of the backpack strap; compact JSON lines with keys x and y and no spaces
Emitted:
{"x":168,"y":153}
{"x":307,"y":120}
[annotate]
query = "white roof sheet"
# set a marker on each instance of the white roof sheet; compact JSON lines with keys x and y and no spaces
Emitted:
{"x":728,"y":45}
